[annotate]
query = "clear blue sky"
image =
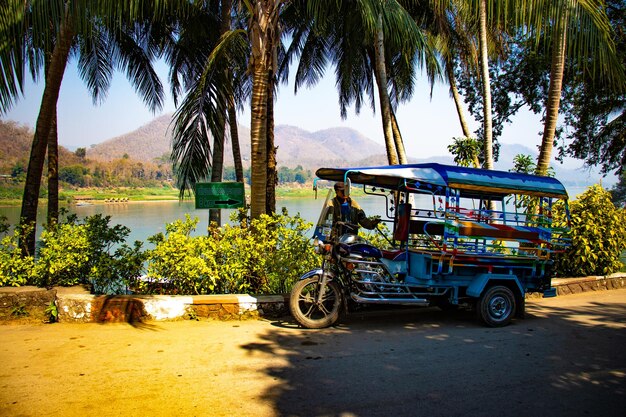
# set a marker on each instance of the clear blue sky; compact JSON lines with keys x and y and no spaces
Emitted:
{"x":428,"y":125}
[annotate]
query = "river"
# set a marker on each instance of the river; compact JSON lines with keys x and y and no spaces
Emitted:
{"x":145,"y":219}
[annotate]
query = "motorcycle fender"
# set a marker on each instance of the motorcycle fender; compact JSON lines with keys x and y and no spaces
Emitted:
{"x":318,"y":271}
{"x":480,"y":282}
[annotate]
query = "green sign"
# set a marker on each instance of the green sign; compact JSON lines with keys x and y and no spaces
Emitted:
{"x":222,"y":195}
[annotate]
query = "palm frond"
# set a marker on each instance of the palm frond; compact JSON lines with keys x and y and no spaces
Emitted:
{"x":94,"y":63}
{"x":129,"y":55}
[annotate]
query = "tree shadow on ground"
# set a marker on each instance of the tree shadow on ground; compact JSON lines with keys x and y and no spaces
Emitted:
{"x":558,"y":362}
{"x":121,"y":309}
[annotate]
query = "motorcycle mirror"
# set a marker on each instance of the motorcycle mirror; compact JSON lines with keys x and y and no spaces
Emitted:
{"x":347,"y":186}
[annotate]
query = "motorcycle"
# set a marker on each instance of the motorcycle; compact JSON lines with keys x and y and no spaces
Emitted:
{"x":352,"y":270}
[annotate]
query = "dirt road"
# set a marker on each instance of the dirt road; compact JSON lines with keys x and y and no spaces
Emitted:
{"x":566,"y":359}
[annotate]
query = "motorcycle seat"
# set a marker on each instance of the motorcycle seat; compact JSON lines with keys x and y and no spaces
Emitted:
{"x":394,"y":255}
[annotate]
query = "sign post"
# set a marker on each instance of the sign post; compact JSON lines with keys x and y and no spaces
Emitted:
{"x":219,"y":195}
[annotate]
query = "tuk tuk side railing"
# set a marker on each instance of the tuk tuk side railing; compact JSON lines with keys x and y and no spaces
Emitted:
{"x":515,"y":238}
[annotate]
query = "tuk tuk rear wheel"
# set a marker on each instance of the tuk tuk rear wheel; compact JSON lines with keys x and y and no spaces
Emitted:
{"x":496,"y":307}
{"x":307,"y":312}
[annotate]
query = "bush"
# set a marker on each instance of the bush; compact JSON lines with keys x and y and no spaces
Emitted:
{"x":180,"y":263}
{"x":15,"y":270}
{"x":280,"y":254}
{"x":76,"y":252}
{"x":598,"y":233}
{"x":265,"y":257}
{"x":62,"y":258}
{"x":261,"y":256}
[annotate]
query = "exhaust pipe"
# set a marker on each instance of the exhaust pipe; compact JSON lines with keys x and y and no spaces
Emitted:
{"x":398,"y":301}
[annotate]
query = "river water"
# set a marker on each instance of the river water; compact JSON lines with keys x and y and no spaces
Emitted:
{"x":145,"y":219}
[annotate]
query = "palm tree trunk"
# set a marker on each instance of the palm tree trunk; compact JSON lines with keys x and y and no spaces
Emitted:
{"x":54,"y":76}
{"x":484,"y":69}
{"x":234,"y":138}
{"x":557,"y":68}
{"x":217,"y":160}
{"x":383,"y":94}
{"x":53,"y":172}
{"x":264,"y":35}
{"x":258,"y":142}
{"x":457,"y":100}
{"x":397,"y":136}
{"x":215,"y":215}
{"x":272,"y":178}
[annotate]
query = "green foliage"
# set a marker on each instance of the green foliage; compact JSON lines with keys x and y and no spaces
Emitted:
{"x":114,"y":273}
{"x":15,"y":269}
{"x":618,"y":192}
{"x":297,"y":174}
{"x":74,"y":175}
{"x":265,"y":255}
{"x":181,"y":263}
{"x":262,"y":256}
{"x":377,"y":237}
{"x":598,"y":233}
{"x":77,"y":252}
{"x":465,"y":150}
{"x":52,"y":312}
{"x":283,"y":250}
{"x":19,"y":310}
{"x":64,"y":255}
{"x":525,"y":164}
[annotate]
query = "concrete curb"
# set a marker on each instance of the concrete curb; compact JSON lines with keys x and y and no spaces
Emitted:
{"x":76,"y":304}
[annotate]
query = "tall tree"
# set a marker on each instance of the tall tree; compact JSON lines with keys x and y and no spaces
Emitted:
{"x":104,"y":34}
{"x":207,"y":64}
{"x":589,"y":44}
{"x":264,"y":34}
{"x":541,"y":29}
{"x":486,"y":85}
{"x":375,"y":46}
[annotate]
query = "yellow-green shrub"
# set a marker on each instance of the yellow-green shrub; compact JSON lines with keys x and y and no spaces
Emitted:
{"x":15,"y":269}
{"x":266,"y":256}
{"x":598,"y":233}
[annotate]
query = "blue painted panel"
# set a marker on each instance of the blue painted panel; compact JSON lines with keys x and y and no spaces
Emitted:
{"x":480,"y":282}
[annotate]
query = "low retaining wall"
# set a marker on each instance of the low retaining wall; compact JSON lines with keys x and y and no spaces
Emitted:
{"x":73,"y":307}
{"x":566,"y":286}
{"x":76,"y":304}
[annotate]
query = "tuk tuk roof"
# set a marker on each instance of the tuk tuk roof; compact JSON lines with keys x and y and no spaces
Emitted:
{"x":470,"y":181}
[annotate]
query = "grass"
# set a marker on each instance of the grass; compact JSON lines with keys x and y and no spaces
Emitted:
{"x":13,"y":197}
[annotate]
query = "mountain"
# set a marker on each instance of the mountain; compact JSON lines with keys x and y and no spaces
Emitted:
{"x":150,"y":141}
{"x":329,"y":147}
{"x":15,"y":144}
{"x":336,"y":146}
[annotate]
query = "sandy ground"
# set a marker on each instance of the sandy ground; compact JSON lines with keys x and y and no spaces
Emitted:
{"x":263,"y":368}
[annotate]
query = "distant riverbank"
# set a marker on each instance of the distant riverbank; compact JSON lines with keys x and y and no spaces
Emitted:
{"x":142,"y":194}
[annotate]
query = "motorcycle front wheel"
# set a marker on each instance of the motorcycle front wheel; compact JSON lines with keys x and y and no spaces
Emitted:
{"x":307,"y":312}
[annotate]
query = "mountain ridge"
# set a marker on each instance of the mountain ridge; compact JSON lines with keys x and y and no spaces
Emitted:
{"x":335,"y":146}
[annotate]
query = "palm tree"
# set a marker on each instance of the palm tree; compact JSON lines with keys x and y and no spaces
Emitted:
{"x":250,"y":48}
{"x":451,"y":36}
{"x":264,"y":35}
{"x":589,"y":46}
{"x":104,"y":35}
{"x":206,"y":61}
{"x":484,"y":17}
{"x":370,"y":42}
{"x":486,"y":84}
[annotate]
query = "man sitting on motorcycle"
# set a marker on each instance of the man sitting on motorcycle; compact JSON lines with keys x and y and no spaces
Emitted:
{"x":346,"y":210}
